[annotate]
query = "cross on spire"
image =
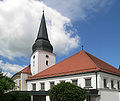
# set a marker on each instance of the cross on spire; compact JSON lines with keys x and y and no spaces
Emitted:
{"x":82,"y":47}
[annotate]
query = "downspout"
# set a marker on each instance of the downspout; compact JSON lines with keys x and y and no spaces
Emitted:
{"x":96,"y":80}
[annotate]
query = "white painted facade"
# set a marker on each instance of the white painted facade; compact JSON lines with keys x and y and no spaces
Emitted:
{"x":39,"y":59}
{"x":104,"y":93}
{"x":20,"y":82}
{"x":17,"y":84}
{"x":24,"y":77}
{"x":80,"y":78}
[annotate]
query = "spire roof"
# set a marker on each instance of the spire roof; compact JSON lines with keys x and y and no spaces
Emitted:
{"x":42,"y":33}
{"x":42,"y":42}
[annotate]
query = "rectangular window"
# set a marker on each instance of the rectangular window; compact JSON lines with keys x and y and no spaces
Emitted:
{"x":118,"y":84}
{"x":88,"y":82}
{"x":105,"y":83}
{"x":47,"y":63}
{"x":42,"y":86}
{"x":62,"y":81}
{"x":75,"y":82}
{"x":34,"y":87}
{"x":52,"y":84}
{"x":112,"y":84}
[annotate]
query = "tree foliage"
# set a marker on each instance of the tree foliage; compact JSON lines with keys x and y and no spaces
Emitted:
{"x":6,"y":86}
{"x":16,"y":96}
{"x":67,"y":92}
{"x":6,"y":83}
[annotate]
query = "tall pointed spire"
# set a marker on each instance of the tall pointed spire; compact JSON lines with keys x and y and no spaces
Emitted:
{"x":42,"y":33}
{"x":42,"y":42}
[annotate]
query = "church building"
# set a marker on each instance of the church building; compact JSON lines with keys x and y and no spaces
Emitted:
{"x":100,"y":79}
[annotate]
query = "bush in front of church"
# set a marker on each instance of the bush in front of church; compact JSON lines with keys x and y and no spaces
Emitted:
{"x":67,"y":92}
{"x":16,"y":96}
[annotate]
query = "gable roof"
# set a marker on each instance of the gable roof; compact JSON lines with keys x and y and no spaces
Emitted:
{"x":25,"y":70}
{"x":77,"y":63}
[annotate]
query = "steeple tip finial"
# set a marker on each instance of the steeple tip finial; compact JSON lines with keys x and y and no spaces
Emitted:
{"x":82,"y":47}
{"x":43,"y":11}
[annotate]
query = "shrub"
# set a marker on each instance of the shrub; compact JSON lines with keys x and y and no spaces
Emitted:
{"x":16,"y":96}
{"x":67,"y":92}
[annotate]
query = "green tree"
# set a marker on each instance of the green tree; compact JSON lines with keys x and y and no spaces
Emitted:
{"x":6,"y":83}
{"x":67,"y":92}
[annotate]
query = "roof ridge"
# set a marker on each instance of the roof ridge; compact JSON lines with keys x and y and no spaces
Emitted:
{"x":103,"y":61}
{"x":25,"y":68}
{"x":91,"y":59}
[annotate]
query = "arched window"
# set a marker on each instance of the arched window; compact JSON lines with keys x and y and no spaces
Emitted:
{"x":47,"y":56}
{"x":34,"y":57}
{"x":47,"y":63}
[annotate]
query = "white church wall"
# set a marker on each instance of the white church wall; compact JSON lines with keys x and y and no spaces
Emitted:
{"x":24,"y":77}
{"x":108,"y":77}
{"x":109,"y":95}
{"x":34,"y":63}
{"x":81,"y":81}
{"x":39,"y":59}
{"x":44,"y":56}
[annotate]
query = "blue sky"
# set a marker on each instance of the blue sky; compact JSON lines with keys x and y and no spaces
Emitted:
{"x":100,"y":35}
{"x":96,"y":25}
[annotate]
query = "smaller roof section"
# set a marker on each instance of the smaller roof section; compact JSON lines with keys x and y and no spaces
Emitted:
{"x":25,"y":70}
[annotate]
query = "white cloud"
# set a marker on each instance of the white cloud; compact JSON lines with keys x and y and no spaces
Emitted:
{"x":78,"y":9}
{"x":9,"y":69}
{"x":19,"y":22}
{"x":7,"y":74}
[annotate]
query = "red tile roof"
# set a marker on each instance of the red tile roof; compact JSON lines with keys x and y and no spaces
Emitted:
{"x":25,"y":70}
{"x":78,"y":63}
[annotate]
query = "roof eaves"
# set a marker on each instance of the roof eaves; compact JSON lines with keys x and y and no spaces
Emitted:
{"x":62,"y":75}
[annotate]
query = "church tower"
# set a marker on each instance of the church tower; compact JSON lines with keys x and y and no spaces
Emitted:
{"x":42,"y":56}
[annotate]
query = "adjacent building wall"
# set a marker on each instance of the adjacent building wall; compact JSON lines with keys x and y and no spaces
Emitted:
{"x":24,"y":77}
{"x":20,"y":82}
{"x":17,"y":80}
